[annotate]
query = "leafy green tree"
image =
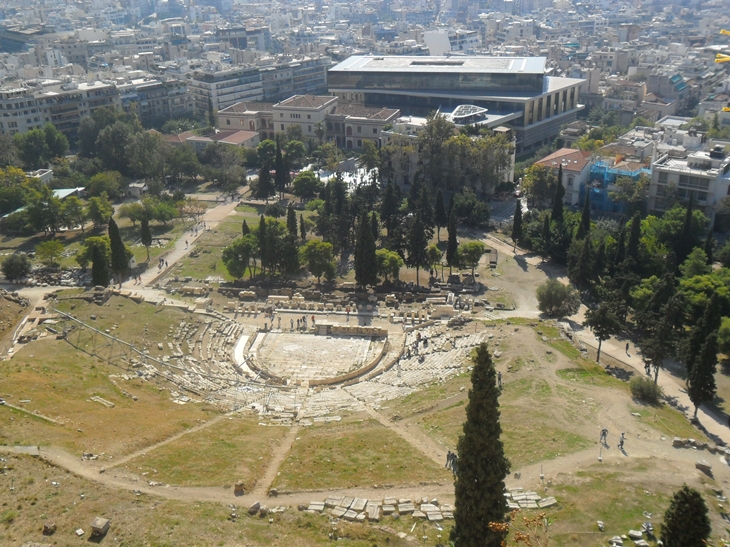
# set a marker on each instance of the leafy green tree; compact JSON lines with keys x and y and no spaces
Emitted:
{"x":49,"y":251}
{"x":109,"y":182}
{"x":182,"y":163}
{"x":44,"y":210}
{"x":119,"y":261}
{"x":416,"y":243}
{"x":389,"y":264}
{"x":73,"y":212}
{"x":267,"y":151}
{"x":306,"y":185}
{"x":604,"y":323}
{"x":146,"y":153}
{"x":723,"y":255}
{"x":707,"y":324}
{"x":369,"y":155}
{"x":318,"y":257}
{"x":517,"y":225}
{"x":701,"y":386}
{"x":723,"y":336}
{"x":686,"y":521}
{"x":470,"y":254}
{"x":433,"y":256}
{"x":263,"y":246}
{"x":585,"y":219}
{"x":452,"y":244}
{"x":111,"y":147}
{"x":295,"y":152}
{"x":482,"y":466}
{"x":556,"y":299}
{"x":695,"y":264}
{"x":546,"y":239}
{"x":86,"y":137}
{"x":56,"y":142}
{"x":537,"y":183}
{"x":84,"y":256}
{"x":99,"y":210}
{"x":238,"y":255}
{"x":365,"y":262}
{"x":469,"y":209}
{"x":709,"y":249}
{"x":580,"y":269}
{"x":145,"y":235}
{"x":632,"y":246}
{"x":32,"y":148}
{"x":16,"y":266}
{"x":631,"y":193}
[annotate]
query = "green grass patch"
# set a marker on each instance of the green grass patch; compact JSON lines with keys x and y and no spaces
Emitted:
{"x":354,"y":454}
{"x":565,"y":347}
{"x":230,"y":450}
{"x":668,"y":421}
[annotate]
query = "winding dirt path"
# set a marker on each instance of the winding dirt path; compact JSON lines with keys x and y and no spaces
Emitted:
{"x":264,"y":484}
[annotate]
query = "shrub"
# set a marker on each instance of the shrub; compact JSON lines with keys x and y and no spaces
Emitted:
{"x":275,"y":210}
{"x":556,"y":299}
{"x":645,"y":390}
{"x":16,"y":266}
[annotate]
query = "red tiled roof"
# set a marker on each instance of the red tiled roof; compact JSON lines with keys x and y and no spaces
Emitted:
{"x":570,"y":158}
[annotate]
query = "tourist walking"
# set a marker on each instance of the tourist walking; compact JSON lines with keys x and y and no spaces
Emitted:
{"x":604,"y":437}
{"x":621,"y":441}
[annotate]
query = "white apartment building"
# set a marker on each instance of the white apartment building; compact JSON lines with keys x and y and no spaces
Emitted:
{"x":702,"y":175}
{"x":224,"y":88}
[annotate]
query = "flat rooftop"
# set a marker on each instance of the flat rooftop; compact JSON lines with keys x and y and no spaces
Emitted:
{"x":459,"y":65}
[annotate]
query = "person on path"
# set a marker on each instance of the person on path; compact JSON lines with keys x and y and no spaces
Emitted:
{"x":448,"y":459}
{"x":186,"y":243}
{"x":604,"y":437}
{"x":291,"y":322}
{"x":627,"y":348}
{"x":499,"y":380}
{"x":621,"y":441}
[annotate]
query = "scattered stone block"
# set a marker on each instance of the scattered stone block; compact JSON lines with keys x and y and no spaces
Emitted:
{"x":373,"y":512}
{"x":360,"y":517}
{"x":390,"y":501}
{"x":635,"y":534}
{"x":616,"y":541}
{"x":350,"y":515}
{"x":703,"y":466}
{"x":238,"y":489}
{"x":79,"y":532}
{"x":254,"y":508}
{"x":317,"y":506}
{"x":338,"y":512}
{"x":358,"y":504}
{"x":346,"y":502}
{"x":429,"y":508}
{"x":406,"y":507}
{"x":448,"y":515}
{"x":677,"y":442}
{"x":435,"y":517}
{"x":332,"y":501}
{"x":388,"y":509}
{"x":99,"y":526}
{"x":49,"y":528}
{"x":419,"y":515}
{"x":547,"y":502}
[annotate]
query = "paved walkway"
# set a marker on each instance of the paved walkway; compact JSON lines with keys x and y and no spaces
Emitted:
{"x":211,"y":218}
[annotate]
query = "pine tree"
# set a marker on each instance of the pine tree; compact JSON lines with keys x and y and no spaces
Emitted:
{"x":584,"y":267}
{"x":416,"y":243}
{"x":452,"y":245}
{"x":557,"y":213}
{"x":517,"y":225}
{"x":389,"y":207}
{"x":604,"y":324}
{"x":482,"y":465}
{"x":291,"y":220}
{"x":686,"y":242}
{"x":585,"y":218}
{"x":632,"y":247}
{"x":686,"y":522}
{"x":302,"y":228}
{"x":119,"y":260}
{"x":99,"y":267}
{"x":374,"y":227}
{"x":263,"y":255}
{"x":245,"y":230}
{"x":710,"y":248}
{"x":145,"y":235}
{"x":366,"y":265}
{"x":701,"y":386}
{"x":599,"y":264}
{"x":439,"y":214}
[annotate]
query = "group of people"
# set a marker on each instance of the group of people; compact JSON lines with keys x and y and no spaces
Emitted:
{"x":413,"y":349}
{"x":301,"y":323}
{"x":603,"y":439}
{"x":161,"y":263}
{"x":452,"y":462}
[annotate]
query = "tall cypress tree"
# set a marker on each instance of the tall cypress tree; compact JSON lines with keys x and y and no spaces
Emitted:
{"x":245,"y":230}
{"x":99,"y":267}
{"x":374,"y":227}
{"x":686,"y":242}
{"x":517,"y":224}
{"x":686,"y":523}
{"x":707,"y":324}
{"x":263,"y":255}
{"x":291,"y":220}
{"x":585,"y":218}
{"x":119,"y":260}
{"x":599,"y":264}
{"x":366,"y":264}
{"x":632,"y":247}
{"x":701,"y":386}
{"x":145,"y":235}
{"x":546,"y":236}
{"x":416,"y":242}
{"x":265,"y":187}
{"x":452,"y":244}
{"x":618,"y":258}
{"x":584,"y":267}
{"x":439,"y":214}
{"x":389,"y":207}
{"x":557,"y":213}
{"x":302,"y":228}
{"x":281,"y":174}
{"x":482,"y":465}
{"x":710,"y":248}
